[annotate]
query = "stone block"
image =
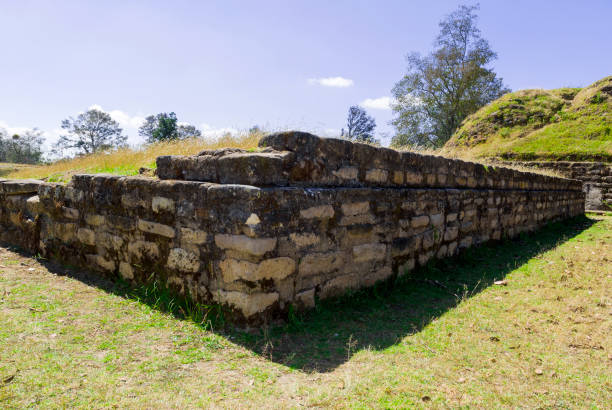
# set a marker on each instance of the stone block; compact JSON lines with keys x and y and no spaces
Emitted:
{"x":95,"y":220}
{"x":355,"y":208}
{"x":86,"y":236}
{"x":242,"y":243}
{"x":419,"y":221}
{"x":377,"y":175}
{"x":156,"y":228}
{"x":183,"y":260}
{"x":347,"y":173}
{"x":162,"y":204}
{"x":303,"y":240}
{"x":369,"y":251}
{"x":247,"y":304}
{"x":320,"y":212}
{"x":126,"y":271}
{"x":321,"y":262}
{"x":98,"y":262}
{"x":143,"y":250}
{"x":194,"y":236}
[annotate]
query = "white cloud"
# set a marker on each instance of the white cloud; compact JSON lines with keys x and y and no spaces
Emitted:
{"x":381,"y":103}
{"x":340,"y":82}
{"x":124,"y":119}
{"x":209,"y":131}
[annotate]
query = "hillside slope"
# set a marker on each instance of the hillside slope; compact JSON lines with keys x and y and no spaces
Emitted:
{"x":561,"y":124}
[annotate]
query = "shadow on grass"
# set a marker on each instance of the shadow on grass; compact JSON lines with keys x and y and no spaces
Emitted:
{"x":379,"y":317}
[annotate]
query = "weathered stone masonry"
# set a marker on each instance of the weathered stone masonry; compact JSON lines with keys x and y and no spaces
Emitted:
{"x":306,"y":218}
{"x":596,"y":179}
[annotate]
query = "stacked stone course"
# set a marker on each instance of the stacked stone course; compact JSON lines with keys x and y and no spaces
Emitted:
{"x":295,"y":233}
{"x":595,"y":176}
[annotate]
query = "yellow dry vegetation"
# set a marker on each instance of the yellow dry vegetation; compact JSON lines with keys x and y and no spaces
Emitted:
{"x":127,"y":161}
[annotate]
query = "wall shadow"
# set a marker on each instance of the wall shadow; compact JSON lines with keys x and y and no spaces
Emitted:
{"x":379,"y":317}
{"x":324,"y":338}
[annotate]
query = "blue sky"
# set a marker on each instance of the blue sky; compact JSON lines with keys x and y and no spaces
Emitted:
{"x":224,"y":65}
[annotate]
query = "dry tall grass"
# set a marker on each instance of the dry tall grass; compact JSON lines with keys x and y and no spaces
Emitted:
{"x":127,"y":161}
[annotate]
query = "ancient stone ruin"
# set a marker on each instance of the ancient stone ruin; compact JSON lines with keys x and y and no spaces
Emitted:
{"x":301,"y":219}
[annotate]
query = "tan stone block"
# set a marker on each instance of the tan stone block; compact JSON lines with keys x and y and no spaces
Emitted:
{"x":162,"y":204}
{"x":86,"y":236}
{"x":34,"y":206}
{"x":242,"y":243}
{"x":109,"y":241}
{"x":182,"y":260}
{"x":95,"y":220}
{"x":65,"y":231}
{"x":126,"y":271}
{"x":378,"y":276}
{"x":419,"y":221}
{"x":306,"y":299}
{"x":319,"y":262}
{"x":321,"y":212}
{"x":398,"y":177}
{"x":156,"y":228}
{"x":70,"y":213}
{"x":369,"y":251}
{"x":377,"y":175}
{"x":451,"y":233}
{"x":143,"y":250}
{"x":357,"y":219}
{"x":339,"y":285}
{"x":413,"y":178}
{"x":276,"y":268}
{"x":436,"y":219}
{"x":348,"y":173}
{"x":194,"y":236}
{"x":406,"y":267}
{"x":302,"y":240}
{"x":355,"y":208}
{"x":247,"y":304}
{"x":97,"y":261}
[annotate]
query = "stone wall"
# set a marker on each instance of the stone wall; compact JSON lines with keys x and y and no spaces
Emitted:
{"x":276,"y":242}
{"x":595,"y":176}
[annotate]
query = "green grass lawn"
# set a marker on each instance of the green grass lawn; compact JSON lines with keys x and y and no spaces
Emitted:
{"x":446,"y":336}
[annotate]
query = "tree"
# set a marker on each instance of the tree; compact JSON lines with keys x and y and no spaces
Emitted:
{"x":444,"y":87}
{"x":91,"y":131}
{"x":359,"y":125}
{"x":24,"y":148}
{"x":165,"y":127}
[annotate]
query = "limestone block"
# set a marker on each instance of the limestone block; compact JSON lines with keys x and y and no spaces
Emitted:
{"x":65,"y":231}
{"x":413,"y":178}
{"x":369,"y":251}
{"x":86,"y":236}
{"x":33,"y":205}
{"x":377,"y":175}
{"x":126,"y":271}
{"x":275,"y":268}
{"x":360,"y":219}
{"x":466,"y":242}
{"x":162,"y":204}
{"x":70,"y":213}
{"x":306,"y":299}
{"x":194,"y":236}
{"x":339,"y":285}
{"x":405,"y":245}
{"x":109,"y":241}
{"x":406,"y":267}
{"x":247,"y":304}
{"x":97,"y":261}
{"x":378,"y":276}
{"x":321,"y":212}
{"x":321,"y":262}
{"x":242,"y":243}
{"x":355,"y":208}
{"x":436,"y":219}
{"x":95,"y":220}
{"x":348,"y":173}
{"x":451,"y":233}
{"x":398,"y":177}
{"x":419,"y":221}
{"x":156,"y":228}
{"x":302,"y":240}
{"x":183,"y":260}
{"x":131,"y":200}
{"x":143,"y":250}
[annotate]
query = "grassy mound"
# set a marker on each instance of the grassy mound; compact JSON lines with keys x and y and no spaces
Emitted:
{"x":127,"y":161}
{"x":561,"y":124}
